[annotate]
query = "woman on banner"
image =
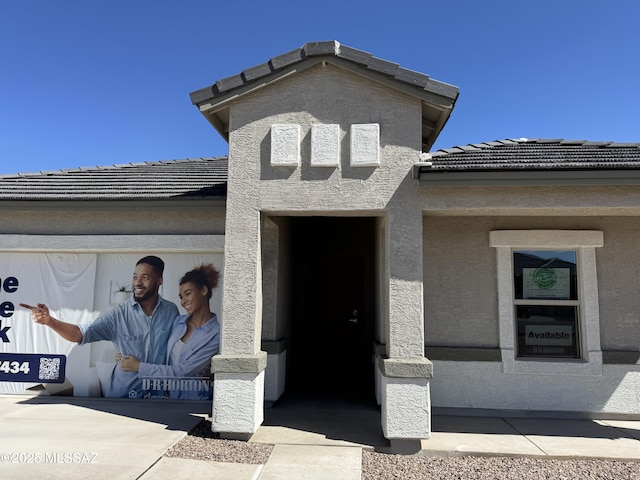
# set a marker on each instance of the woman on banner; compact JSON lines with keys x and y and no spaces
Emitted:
{"x":194,"y":339}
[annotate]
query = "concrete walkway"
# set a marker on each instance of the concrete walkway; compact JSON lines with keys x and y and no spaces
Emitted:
{"x":77,"y":438}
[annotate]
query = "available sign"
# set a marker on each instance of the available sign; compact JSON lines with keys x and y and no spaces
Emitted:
{"x":33,"y":368}
{"x":557,"y":335}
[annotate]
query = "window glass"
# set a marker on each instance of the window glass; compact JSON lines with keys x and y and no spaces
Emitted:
{"x":547,"y":331}
{"x":545,"y":275}
{"x":546,"y":303}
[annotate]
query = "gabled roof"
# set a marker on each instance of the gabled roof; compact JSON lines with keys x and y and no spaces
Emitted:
{"x":533,"y":162}
{"x":438,"y":98}
{"x":191,"y":178}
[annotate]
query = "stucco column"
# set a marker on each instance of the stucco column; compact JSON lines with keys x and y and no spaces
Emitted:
{"x":238,"y":396}
{"x":274,"y":286}
{"x":405,"y":373}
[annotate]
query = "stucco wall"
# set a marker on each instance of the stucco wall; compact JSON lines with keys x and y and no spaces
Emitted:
{"x":113,"y":218}
{"x":484,"y":385}
{"x":460,"y":282}
{"x":276,"y":278}
{"x":619,"y":284}
{"x":460,"y":298}
{"x":336,"y":100}
{"x":523,"y":200}
{"x":326,"y":95}
{"x":332,"y":96}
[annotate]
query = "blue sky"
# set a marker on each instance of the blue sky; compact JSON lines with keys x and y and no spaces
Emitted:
{"x":86,"y":83}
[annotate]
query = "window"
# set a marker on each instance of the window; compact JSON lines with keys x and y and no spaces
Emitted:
{"x":546,"y":304}
{"x":548,"y":301}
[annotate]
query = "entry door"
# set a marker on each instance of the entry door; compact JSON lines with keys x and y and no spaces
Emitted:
{"x":332,"y":337}
{"x":335,"y":337}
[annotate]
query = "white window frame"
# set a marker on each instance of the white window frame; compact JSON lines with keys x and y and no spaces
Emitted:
{"x":584,"y":242}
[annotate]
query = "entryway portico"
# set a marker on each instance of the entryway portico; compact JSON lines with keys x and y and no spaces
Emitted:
{"x":321,"y":155}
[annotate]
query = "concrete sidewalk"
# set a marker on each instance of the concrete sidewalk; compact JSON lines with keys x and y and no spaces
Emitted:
{"x":561,"y":438}
{"x":73,"y":438}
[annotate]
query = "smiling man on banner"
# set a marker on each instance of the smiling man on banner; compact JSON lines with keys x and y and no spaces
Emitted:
{"x":139,"y":327}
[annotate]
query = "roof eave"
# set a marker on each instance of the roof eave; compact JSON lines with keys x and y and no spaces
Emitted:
{"x":46,"y":202}
{"x":216,"y":109}
{"x":430,"y":132}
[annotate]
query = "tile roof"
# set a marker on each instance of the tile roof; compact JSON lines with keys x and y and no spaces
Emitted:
{"x":191,"y":178}
{"x":318,"y":49}
{"x":437,"y":98}
{"x":207,"y":177}
{"x":535,"y":154}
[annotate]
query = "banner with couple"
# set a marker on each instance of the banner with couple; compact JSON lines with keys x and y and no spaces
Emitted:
{"x":77,"y":287}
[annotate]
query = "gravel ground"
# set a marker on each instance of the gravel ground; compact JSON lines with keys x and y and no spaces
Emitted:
{"x":202,"y":444}
{"x":378,"y":466}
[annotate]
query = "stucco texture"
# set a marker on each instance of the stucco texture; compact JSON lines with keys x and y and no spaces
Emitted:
{"x":113,"y":218}
{"x":460,"y":281}
{"x":331,"y":96}
{"x":323,"y":94}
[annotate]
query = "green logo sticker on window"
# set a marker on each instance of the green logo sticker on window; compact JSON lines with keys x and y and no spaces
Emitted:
{"x":545,"y":277}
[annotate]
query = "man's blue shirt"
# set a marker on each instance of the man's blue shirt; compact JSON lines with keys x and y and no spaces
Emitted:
{"x":132,"y":333}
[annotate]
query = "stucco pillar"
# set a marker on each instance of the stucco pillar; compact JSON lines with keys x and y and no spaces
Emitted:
{"x":406,"y":402}
{"x":273,"y":277}
{"x":405,"y":373}
{"x":238,"y":398}
{"x":238,"y":394}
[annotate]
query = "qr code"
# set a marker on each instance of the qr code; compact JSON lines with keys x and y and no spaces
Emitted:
{"x":49,"y":369}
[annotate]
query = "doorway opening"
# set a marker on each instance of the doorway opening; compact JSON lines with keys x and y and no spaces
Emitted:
{"x":330,"y":353}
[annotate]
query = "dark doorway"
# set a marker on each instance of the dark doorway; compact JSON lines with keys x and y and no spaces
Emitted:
{"x":330,"y":352}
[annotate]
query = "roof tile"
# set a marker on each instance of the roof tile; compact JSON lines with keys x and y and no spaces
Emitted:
{"x":441,"y":88}
{"x":256,"y":72}
{"x":193,"y":178}
{"x":321,"y":48}
{"x":383,"y":66}
{"x":409,"y":76}
{"x":623,"y":145}
{"x":229,"y":83}
{"x":537,"y":154}
{"x":286,"y":59}
{"x":572,"y":142}
{"x":326,"y":48}
{"x":354,"y":55}
{"x":203,"y":94}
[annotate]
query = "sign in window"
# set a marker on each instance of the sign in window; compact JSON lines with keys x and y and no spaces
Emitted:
{"x":546,"y":282}
{"x":547,"y":331}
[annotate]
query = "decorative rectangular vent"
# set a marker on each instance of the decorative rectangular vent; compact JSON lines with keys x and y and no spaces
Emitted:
{"x":365,"y":145}
{"x":325,"y":145}
{"x":285,"y":145}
